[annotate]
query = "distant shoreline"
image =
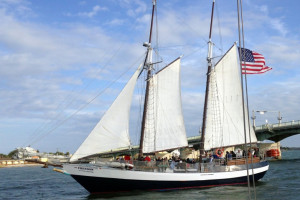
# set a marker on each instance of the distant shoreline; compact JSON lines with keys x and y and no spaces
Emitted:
{"x":21,"y":165}
{"x":290,"y":148}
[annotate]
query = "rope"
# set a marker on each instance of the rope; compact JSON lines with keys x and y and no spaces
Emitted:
{"x":59,"y":115}
{"x":246,"y":88}
{"x":85,"y":105}
{"x":240,"y":22}
{"x":219,"y":27}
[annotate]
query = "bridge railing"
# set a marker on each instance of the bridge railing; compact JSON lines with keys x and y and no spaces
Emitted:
{"x":283,"y":124}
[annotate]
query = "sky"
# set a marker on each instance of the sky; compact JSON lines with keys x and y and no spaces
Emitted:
{"x":62,"y":62}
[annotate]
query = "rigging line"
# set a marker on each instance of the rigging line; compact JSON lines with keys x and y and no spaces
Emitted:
{"x":193,"y":52}
{"x":225,"y":111}
{"x":141,"y":89}
{"x":156,"y":50}
{"x":243,"y":102}
{"x":90,"y":101}
{"x":156,"y":25}
{"x":223,"y":95}
{"x":247,"y":101}
{"x":186,"y":55}
{"x":135,"y":22}
{"x":158,"y":56}
{"x":217,"y":101}
{"x":44,"y":125}
{"x":220,"y":32}
{"x":185,"y":22}
{"x":55,"y":120}
{"x":174,"y":46}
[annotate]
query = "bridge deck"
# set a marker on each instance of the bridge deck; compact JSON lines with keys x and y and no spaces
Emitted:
{"x":277,"y":132}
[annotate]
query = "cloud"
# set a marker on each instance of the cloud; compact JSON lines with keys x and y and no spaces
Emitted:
{"x":93,"y":12}
{"x":282,"y":96}
{"x":42,"y":68}
{"x":278,"y":25}
{"x":259,"y":20}
{"x":17,"y":7}
{"x":279,"y":50}
{"x":144,"y":19}
{"x":115,"y":22}
{"x":135,"y":7}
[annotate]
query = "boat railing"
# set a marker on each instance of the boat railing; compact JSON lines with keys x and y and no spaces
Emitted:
{"x":165,"y":166}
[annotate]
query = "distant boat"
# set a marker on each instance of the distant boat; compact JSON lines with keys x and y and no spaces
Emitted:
{"x":163,"y":129}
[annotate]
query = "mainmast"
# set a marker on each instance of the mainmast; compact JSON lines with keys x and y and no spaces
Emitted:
{"x":209,"y":63}
{"x":148,"y":67}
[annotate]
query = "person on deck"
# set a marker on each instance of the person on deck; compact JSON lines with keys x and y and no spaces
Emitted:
{"x":239,"y":154}
{"x":233,"y":154}
{"x":256,"y":152}
{"x":147,"y":159}
{"x":228,"y":156}
{"x":249,"y":154}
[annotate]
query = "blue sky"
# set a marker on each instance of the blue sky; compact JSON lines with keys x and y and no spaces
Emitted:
{"x":56,"y":56}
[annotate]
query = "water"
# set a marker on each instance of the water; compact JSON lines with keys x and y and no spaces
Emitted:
{"x":282,"y":181}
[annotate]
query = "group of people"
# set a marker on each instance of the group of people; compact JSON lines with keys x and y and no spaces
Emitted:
{"x":176,"y":161}
{"x":241,"y":153}
{"x":165,"y":159}
{"x":163,"y":163}
{"x":231,"y":155}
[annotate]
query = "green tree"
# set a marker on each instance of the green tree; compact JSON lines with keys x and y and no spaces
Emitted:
{"x":12,"y":153}
{"x":3,"y":155}
{"x":59,"y":153}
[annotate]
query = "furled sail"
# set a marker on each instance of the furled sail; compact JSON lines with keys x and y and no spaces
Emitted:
{"x":112,"y":131}
{"x":225,"y":125}
{"x":164,"y":127}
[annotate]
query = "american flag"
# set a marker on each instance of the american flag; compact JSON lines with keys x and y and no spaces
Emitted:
{"x":253,"y":62}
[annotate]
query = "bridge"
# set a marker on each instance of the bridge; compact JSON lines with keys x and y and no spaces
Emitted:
{"x":273,"y":132}
{"x":277,"y":132}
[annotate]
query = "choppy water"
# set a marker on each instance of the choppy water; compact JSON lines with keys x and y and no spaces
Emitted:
{"x":281,"y":182}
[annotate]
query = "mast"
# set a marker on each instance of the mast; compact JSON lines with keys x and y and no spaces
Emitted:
{"x":209,"y":63}
{"x":148,"y":67}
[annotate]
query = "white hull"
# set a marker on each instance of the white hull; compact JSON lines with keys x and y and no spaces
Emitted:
{"x":99,"y":179}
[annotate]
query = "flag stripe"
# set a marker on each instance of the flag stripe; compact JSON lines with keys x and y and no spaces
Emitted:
{"x":252,"y":65}
{"x":253,"y":62}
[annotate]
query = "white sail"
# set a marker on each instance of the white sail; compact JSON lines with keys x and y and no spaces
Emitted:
{"x":112,"y":131}
{"x":164,"y":128}
{"x":224,"y":123}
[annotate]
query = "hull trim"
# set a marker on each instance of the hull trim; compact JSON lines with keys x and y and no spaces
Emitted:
{"x":98,"y":185}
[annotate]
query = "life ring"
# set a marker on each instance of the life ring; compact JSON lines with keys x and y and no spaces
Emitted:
{"x":219,"y":152}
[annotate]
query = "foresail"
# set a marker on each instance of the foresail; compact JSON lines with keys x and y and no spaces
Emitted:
{"x":112,"y":131}
{"x":225,"y":125}
{"x":164,"y":128}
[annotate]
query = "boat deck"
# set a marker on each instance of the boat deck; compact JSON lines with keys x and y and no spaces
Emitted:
{"x":242,"y":161}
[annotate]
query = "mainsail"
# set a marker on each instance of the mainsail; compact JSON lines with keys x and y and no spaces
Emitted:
{"x":225,"y":125}
{"x":112,"y":131}
{"x":164,"y":127}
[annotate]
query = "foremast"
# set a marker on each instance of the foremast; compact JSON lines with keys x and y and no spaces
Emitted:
{"x":147,"y":66}
{"x":209,"y":67}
